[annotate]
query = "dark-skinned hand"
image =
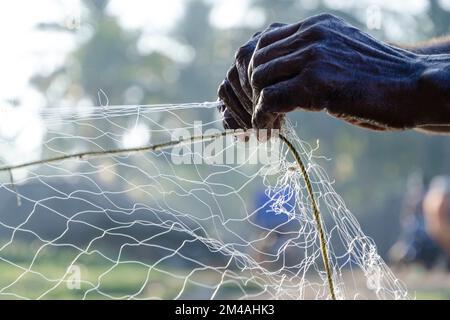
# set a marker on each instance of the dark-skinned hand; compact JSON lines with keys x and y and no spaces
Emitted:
{"x":235,"y":91}
{"x":325,"y":64}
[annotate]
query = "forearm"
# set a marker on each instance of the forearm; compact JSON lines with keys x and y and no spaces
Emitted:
{"x":435,"y":83}
{"x":333,"y":67}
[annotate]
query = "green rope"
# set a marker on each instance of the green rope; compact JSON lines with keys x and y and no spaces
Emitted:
{"x":165,"y":145}
{"x":316,"y":212}
{"x":92,"y":154}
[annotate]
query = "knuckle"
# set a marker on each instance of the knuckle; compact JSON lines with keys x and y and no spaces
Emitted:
{"x":264,"y":40}
{"x":256,"y":34}
{"x":232,"y":73}
{"x":323,"y":19}
{"x":222,"y":92}
{"x":276,"y":25}
{"x":258,"y":59}
{"x":310,"y":34}
{"x":265,"y":97}
{"x":326,"y":17}
{"x":319,"y":31}
{"x":316,"y":52}
{"x":312,"y":52}
{"x":316,"y":32}
{"x":256,"y":78}
{"x":242,"y":52}
{"x":313,"y":75}
{"x":247,"y":49}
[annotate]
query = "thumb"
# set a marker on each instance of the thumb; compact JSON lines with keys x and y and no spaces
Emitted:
{"x":278,"y":99}
{"x":262,"y":119}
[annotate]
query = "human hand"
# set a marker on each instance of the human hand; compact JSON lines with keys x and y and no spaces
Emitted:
{"x":324,"y":64}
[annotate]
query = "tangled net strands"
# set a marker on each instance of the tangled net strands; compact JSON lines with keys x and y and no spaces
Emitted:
{"x":177,"y":231}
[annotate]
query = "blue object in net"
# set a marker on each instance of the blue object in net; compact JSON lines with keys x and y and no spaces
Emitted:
{"x":274,"y":207}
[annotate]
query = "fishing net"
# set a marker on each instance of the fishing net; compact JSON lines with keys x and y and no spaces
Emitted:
{"x":158,"y":202}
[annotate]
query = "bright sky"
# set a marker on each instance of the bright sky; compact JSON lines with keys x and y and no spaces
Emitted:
{"x":27,"y":51}
{"x":24,"y":50}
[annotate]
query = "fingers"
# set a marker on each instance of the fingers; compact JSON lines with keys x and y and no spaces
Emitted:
{"x":293,"y":43}
{"x":282,"y":82}
{"x":228,"y":120}
{"x":283,"y":97}
{"x":237,"y":111}
{"x":236,"y":91}
{"x":276,"y":34}
{"x":244,"y":55}
{"x":293,"y":66}
{"x":286,"y":57}
{"x":308,"y":30}
{"x":268,"y":38}
{"x":235,"y":82}
{"x":242,"y":61}
{"x":280,"y":69}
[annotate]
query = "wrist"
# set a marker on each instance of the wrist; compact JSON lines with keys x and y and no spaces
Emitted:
{"x":433,"y":91}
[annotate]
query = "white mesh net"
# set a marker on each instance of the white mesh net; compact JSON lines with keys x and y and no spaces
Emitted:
{"x":202,"y":220}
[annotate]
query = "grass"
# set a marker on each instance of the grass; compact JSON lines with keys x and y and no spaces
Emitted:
{"x":46,"y":277}
{"x":121,"y":281}
{"x":37,"y":272}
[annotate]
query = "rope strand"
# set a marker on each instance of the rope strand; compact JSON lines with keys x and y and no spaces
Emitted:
{"x":317,"y":216}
